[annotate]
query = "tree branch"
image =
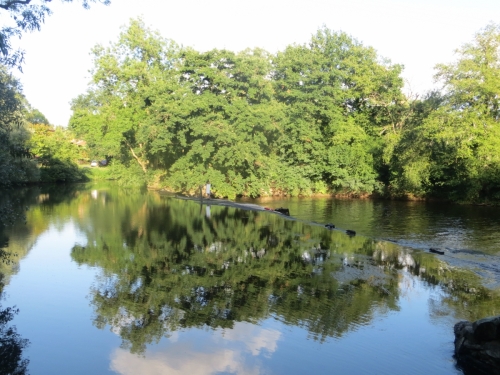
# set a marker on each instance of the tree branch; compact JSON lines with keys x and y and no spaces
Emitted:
{"x":9,"y":4}
{"x":143,"y":165}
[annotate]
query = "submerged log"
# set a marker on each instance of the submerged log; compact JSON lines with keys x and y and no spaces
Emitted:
{"x":477,"y":346}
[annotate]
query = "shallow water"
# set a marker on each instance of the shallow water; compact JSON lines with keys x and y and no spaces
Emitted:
{"x":109,"y":281}
{"x":469,"y":235}
{"x":419,"y":225}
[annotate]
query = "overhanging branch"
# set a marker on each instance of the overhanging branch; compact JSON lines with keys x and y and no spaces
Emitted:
{"x":9,"y":4}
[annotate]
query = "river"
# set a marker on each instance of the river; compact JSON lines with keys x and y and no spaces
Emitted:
{"x":114,"y":281}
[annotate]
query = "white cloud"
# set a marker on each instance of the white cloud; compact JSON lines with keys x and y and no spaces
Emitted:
{"x":254,"y":337}
{"x":181,"y":360}
{"x":214,"y":357}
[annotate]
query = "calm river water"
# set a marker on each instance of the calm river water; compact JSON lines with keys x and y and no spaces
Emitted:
{"x":112,"y":281}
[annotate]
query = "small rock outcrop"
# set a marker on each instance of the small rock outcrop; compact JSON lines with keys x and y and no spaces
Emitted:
{"x":477,"y":346}
{"x":284,"y":211}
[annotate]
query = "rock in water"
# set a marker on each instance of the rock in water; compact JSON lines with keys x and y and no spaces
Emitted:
{"x":436,"y":251}
{"x":284,"y":211}
{"x":477,"y":346}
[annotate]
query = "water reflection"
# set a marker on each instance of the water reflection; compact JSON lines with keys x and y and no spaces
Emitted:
{"x":419,"y":225}
{"x":181,"y":360}
{"x":165,"y":266}
{"x":12,"y":345}
{"x":224,"y":351}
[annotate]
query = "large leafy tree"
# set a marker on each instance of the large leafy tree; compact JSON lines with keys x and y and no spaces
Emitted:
{"x":24,"y":16}
{"x":473,"y":81}
{"x":11,"y":101}
{"x":337,"y":94}
{"x":182,"y":114}
{"x":225,"y":125}
{"x":14,"y":164}
{"x":113,"y":113}
{"x":453,"y":152}
{"x":26,"y":134}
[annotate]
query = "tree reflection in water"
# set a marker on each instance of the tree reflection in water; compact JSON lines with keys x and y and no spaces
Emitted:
{"x":11,"y":344}
{"x":168,"y":266}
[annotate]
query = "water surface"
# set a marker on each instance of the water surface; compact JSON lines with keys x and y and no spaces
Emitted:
{"x":111,"y":281}
{"x":469,"y":235}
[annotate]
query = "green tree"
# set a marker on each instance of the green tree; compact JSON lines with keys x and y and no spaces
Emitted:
{"x":56,"y":154}
{"x":224,"y":126}
{"x":34,"y":116}
{"x":115,"y":109}
{"x":180,"y":116}
{"x":453,"y":152}
{"x":337,"y":95}
{"x":15,"y":163}
{"x":473,"y":81}
{"x":23,"y":136}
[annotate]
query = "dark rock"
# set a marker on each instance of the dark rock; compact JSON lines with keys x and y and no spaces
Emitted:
{"x":436,"y":251}
{"x":283,"y":211}
{"x":477,"y":346}
{"x":485,"y":329}
{"x":350,"y":232}
{"x":329,"y":226}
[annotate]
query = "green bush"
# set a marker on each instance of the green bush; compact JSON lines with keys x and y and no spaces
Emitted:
{"x":57,"y":170}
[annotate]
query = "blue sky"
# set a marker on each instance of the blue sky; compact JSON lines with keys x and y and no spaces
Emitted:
{"x":416,"y":33}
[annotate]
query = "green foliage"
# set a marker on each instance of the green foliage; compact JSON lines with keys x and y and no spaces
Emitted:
{"x":27,"y":142}
{"x":327,"y":116}
{"x":56,"y":154}
{"x":112,"y":115}
{"x":57,"y":170}
{"x":227,"y":128}
{"x":473,"y":82}
{"x":336,"y":93}
{"x":11,"y":101}
{"x":251,"y":123}
{"x":451,"y":150}
{"x":15,"y":163}
{"x":36,"y":117}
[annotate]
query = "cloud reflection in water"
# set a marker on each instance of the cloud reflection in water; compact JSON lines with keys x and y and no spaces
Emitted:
{"x":212,"y":357}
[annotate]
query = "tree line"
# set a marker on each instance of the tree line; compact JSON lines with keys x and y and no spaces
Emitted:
{"x":326,"y":117}
{"x":329,"y":116}
{"x":31,"y":149}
